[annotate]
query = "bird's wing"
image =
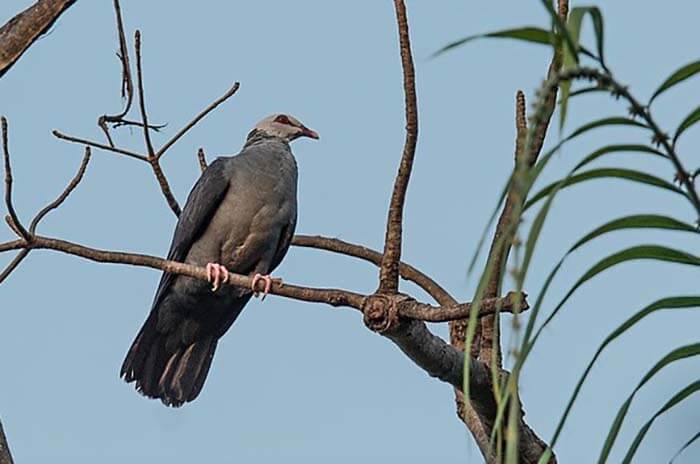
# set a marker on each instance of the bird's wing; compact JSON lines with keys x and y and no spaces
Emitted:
{"x":284,"y":242}
{"x":202,"y":203}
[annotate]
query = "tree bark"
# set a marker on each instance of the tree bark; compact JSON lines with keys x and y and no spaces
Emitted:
{"x":26,"y":27}
{"x":5,"y":456}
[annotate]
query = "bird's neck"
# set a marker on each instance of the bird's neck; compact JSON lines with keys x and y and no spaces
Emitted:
{"x":257,"y":135}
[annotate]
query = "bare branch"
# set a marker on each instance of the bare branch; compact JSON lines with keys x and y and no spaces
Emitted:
{"x":202,"y":159}
{"x":142,"y":101}
{"x":19,"y":33}
{"x":409,"y":308}
{"x":44,"y":211}
{"x":62,"y":197}
{"x":428,"y":313}
{"x":444,"y":362}
{"x":489,"y":348}
{"x":329,"y":296}
{"x":164,"y":186}
{"x":12,"y":219}
{"x":101,"y":146}
{"x":389,"y":271}
{"x":198,"y":118}
{"x":11,"y":245}
{"x":407,"y":272}
{"x":13,"y":265}
{"x":5,"y":456}
{"x":127,"y":88}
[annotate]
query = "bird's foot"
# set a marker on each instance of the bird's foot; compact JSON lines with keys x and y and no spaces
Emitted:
{"x":216,"y":274}
{"x":268,"y":283}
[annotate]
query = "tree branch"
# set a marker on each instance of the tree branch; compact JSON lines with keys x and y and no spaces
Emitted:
{"x":389,"y":271}
{"x":201,"y":157}
{"x":117,"y":150}
{"x":42,"y":213}
{"x":489,"y":349}
{"x":407,"y":271}
{"x":127,"y":89}
{"x":5,"y":456}
{"x":229,"y":93}
{"x":142,"y":104}
{"x":64,"y":194}
{"x":19,"y":33}
{"x":334,"y":297}
{"x":12,"y":219}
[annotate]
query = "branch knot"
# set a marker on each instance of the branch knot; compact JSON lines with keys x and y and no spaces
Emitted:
{"x":382,"y":311}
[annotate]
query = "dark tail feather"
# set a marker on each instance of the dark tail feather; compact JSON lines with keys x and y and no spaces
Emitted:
{"x":186,"y":372}
{"x":173,"y":377}
{"x":133,"y":366}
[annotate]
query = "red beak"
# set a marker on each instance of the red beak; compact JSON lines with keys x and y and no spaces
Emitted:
{"x":306,"y":132}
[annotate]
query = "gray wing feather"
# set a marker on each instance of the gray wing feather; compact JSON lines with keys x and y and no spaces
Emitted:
{"x":284,"y":243}
{"x":202,"y":203}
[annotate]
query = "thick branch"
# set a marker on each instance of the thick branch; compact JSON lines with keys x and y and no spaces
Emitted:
{"x":19,"y":33}
{"x":389,"y":271}
{"x":489,"y":350}
{"x":444,"y":362}
{"x":5,"y":456}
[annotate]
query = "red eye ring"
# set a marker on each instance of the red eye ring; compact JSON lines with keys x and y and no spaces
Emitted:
{"x":283,"y":119}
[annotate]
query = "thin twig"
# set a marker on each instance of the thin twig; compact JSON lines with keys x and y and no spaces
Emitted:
{"x":44,"y":211}
{"x":13,"y":220}
{"x":127,"y":87}
{"x":64,"y":194}
{"x":13,"y":265}
{"x":101,"y":146}
{"x":229,"y":93}
{"x":128,"y":122}
{"x":142,"y":100}
{"x":389,"y":271}
{"x":164,"y":186}
{"x":202,"y":159}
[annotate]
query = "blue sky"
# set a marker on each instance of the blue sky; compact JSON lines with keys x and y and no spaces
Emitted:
{"x":307,"y":382}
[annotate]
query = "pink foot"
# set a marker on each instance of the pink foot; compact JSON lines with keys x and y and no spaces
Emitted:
{"x":216,"y":274}
{"x":268,"y":283}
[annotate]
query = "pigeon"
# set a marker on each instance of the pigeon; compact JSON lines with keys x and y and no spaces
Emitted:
{"x":239,"y":217}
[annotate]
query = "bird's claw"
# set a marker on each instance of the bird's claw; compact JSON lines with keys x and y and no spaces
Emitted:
{"x":268,"y":284}
{"x":216,"y":274}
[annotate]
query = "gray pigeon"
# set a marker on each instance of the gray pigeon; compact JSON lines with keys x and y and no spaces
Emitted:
{"x":239,"y":217}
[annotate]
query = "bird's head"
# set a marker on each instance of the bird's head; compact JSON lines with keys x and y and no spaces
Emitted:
{"x":285,"y":127}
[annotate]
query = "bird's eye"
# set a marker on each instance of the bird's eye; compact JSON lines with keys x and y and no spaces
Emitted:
{"x":282,"y":119}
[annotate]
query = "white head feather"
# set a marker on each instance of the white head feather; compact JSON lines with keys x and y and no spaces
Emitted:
{"x":285,"y":127}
